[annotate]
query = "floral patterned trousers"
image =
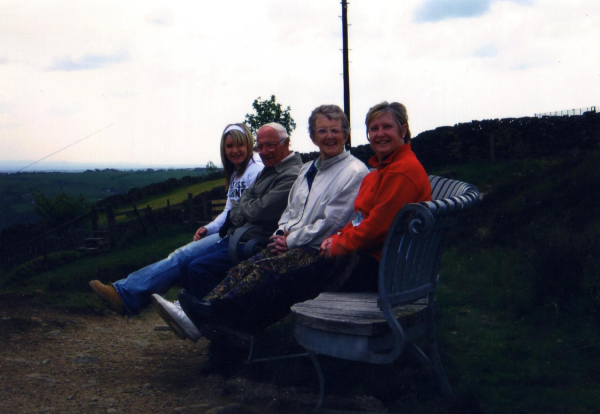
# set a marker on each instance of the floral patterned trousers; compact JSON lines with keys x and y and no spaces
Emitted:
{"x":260,"y":291}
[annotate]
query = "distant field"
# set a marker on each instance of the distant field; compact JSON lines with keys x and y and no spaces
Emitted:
{"x":178,"y":195}
{"x":16,"y":201}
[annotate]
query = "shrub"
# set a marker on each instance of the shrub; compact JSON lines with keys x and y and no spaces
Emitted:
{"x":41,"y":264}
{"x":60,"y":208}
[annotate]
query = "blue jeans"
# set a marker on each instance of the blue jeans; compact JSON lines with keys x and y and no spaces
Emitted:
{"x":135,"y":291}
{"x":206,"y":271}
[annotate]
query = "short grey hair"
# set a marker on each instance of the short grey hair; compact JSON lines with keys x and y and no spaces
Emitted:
{"x":331,"y":112}
{"x":279,"y":128}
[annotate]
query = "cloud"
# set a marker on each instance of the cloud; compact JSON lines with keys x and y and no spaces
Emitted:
{"x":88,"y":62}
{"x":486,"y":51}
{"x":438,"y":10}
{"x":160,"y":16}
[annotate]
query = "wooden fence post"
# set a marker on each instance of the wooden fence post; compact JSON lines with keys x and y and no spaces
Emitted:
{"x":168,"y":212}
{"x":149,"y":212}
{"x":207,"y":210}
{"x":190,"y":201}
{"x":137,"y":213}
{"x":94,"y":219}
{"x":111,"y":226}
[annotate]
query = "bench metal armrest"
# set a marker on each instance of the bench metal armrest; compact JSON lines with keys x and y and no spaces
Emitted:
{"x":236,"y":240}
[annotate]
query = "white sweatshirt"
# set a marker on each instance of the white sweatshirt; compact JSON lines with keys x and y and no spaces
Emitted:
{"x":236,"y":188}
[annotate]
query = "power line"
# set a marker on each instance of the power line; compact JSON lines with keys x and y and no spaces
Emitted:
{"x":70,"y":145}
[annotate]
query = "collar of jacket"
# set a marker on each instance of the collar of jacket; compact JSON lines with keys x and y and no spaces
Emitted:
{"x":287,"y":162}
{"x":402,"y":149}
{"x":334,"y":160}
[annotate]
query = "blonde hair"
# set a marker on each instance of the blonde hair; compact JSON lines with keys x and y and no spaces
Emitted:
{"x":239,"y":138}
{"x":397,"y":110}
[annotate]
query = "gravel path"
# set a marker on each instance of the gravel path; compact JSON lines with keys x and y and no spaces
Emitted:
{"x":58,"y":362}
{"x":55,"y":361}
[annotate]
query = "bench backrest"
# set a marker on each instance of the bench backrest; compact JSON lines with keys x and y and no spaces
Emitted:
{"x":411,"y":254}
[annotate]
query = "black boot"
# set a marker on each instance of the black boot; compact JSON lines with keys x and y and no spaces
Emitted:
{"x":199,"y":311}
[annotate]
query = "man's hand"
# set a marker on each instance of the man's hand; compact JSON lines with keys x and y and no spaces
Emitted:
{"x":279,"y":243}
{"x":326,"y":247}
{"x":200,"y":233}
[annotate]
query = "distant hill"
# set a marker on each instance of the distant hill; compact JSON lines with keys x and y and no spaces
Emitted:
{"x":16,"y":201}
{"x":486,"y":140}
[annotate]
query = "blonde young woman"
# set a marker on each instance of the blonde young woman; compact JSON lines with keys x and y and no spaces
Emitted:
{"x":129,"y":295}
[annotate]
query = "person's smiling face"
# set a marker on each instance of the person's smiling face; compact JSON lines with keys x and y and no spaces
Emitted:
{"x":271,"y":148}
{"x":329,"y":137}
{"x":385,"y":135}
{"x":237,"y":154}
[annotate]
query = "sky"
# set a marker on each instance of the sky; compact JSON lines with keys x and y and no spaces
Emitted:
{"x":153,"y":83}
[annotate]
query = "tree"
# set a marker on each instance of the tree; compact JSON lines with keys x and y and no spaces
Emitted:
{"x":269,"y":111}
{"x":60,"y":208}
{"x":211,"y":167}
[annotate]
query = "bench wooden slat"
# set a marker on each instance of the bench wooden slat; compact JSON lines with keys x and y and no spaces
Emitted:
{"x":351,"y":313}
{"x":348,"y":296}
{"x":349,"y":310}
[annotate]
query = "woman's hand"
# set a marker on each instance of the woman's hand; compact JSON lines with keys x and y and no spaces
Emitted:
{"x":200,"y":233}
{"x":279,"y":243}
{"x":326,"y":247}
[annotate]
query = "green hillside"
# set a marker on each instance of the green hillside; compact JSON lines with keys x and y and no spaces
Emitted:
{"x":176,"y":196}
{"x":16,"y":200}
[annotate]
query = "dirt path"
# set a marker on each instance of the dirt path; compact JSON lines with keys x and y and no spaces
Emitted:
{"x":55,"y":361}
{"x":58,"y":362}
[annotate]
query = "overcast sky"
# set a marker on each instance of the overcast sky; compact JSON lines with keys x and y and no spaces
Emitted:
{"x":154,"y":82}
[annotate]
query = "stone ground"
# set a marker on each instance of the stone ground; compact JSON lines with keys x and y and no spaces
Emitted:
{"x":55,"y":361}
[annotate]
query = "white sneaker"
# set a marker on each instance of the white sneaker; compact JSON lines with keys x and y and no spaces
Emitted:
{"x":175,"y":317}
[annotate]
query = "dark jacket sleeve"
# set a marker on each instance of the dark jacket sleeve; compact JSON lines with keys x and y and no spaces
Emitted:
{"x":264,"y":201}
{"x":256,"y":208}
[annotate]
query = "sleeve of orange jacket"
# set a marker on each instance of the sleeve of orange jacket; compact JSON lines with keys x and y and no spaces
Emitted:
{"x":396,"y":189}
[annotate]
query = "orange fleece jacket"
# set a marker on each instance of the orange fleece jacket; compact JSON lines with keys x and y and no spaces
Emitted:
{"x":398,"y":180}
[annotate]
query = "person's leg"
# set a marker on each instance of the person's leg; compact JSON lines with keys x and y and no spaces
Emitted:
{"x":194,"y":304}
{"x":237,"y":275}
{"x":270,"y":286}
{"x":135,"y":290}
{"x":208,"y":269}
{"x":364,"y":277}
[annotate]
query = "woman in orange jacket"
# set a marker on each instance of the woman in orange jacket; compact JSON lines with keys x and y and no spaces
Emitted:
{"x":398,"y":179}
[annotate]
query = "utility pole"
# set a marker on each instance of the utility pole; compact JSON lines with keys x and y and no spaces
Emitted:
{"x":345,"y":64}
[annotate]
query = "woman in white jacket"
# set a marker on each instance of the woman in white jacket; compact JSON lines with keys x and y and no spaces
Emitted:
{"x":129,"y":295}
{"x":260,"y":290}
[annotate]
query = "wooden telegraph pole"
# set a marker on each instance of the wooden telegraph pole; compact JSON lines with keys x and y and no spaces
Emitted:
{"x":345,"y":58}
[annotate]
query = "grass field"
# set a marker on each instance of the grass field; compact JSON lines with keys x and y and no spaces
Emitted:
{"x":62,"y":278}
{"x":16,"y":201}
{"x":518,"y":304}
{"x":176,"y":196}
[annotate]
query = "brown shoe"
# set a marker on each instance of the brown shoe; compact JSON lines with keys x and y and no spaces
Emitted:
{"x":109,"y":294}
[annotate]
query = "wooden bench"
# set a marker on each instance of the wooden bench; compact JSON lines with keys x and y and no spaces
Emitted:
{"x":378,"y":327}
